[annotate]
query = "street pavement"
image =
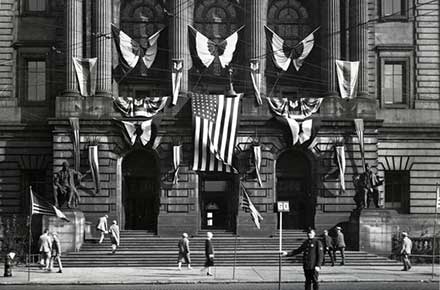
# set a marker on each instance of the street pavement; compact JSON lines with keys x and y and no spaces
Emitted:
{"x":222,"y":275}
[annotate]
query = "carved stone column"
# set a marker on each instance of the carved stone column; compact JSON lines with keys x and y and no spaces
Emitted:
{"x":256,"y":19}
{"x":331,"y":38}
{"x":183,"y":16}
{"x":359,"y":41}
{"x":103,"y":46}
{"x":74,"y":45}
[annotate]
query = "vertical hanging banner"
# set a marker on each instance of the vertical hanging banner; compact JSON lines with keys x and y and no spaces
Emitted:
{"x":359,"y":125}
{"x":176,"y":77}
{"x":340,"y":154}
{"x":347,"y":72}
{"x":94,"y":167}
{"x":177,"y":149}
{"x":74,"y":123}
{"x":86,"y":75}
{"x":257,"y":161}
{"x":256,"y":78}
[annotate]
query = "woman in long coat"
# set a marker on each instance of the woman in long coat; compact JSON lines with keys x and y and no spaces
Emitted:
{"x":209,"y":254}
{"x":114,"y":236}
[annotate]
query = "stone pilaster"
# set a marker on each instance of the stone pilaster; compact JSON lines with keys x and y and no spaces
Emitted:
{"x":359,"y":41}
{"x":183,"y":10}
{"x":103,"y":46}
{"x":331,"y":39}
{"x":74,"y":24}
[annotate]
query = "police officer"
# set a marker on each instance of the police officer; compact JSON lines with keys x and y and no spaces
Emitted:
{"x":312,"y":259}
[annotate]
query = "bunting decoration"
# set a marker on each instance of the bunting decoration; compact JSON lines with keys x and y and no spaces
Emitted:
{"x":74,"y":123}
{"x":43,"y":207}
{"x":138,"y":129}
{"x":94,"y":167}
{"x":359,"y":125}
{"x":256,"y":78}
{"x":215,"y":119}
{"x":340,"y":155}
{"x":314,"y":147}
{"x":205,"y":51}
{"x":86,"y":75}
{"x":249,"y":206}
{"x":144,"y":107}
{"x":347,"y":72}
{"x":176,"y":77}
{"x":282,"y":55}
{"x":130,"y":51}
{"x":257,"y":161}
{"x":177,"y":149}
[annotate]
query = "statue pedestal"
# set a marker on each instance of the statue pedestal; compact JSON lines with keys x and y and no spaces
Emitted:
{"x":71,"y":234}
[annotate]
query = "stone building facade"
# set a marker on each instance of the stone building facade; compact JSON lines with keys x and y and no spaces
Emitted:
{"x":398,"y":96}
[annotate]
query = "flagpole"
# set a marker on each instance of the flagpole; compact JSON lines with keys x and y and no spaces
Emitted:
{"x":433,"y":232}
{"x":30,"y":234}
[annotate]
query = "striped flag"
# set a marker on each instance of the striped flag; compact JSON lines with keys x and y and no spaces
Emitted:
{"x":176,"y":77}
{"x":86,"y":75}
{"x":215,"y":119}
{"x":340,"y":154}
{"x":74,"y":123}
{"x":41,"y":206}
{"x":438,"y":198}
{"x":347,"y":77}
{"x":256,"y":78}
{"x":133,"y":127}
{"x":257,"y":161}
{"x":247,"y":205}
{"x":176,"y":162}
{"x":306,"y":46}
{"x":94,"y":166}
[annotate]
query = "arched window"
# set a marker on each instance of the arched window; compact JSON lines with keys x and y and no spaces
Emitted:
{"x":217,"y":20}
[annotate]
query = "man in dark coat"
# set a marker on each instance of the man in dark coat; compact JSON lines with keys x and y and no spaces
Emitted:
{"x":339,"y":245}
{"x":312,"y":259}
{"x":328,"y":248}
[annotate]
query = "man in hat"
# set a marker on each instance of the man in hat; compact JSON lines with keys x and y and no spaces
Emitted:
{"x":56,"y":253}
{"x":339,"y":245}
{"x":312,"y":259}
{"x":328,"y":248}
{"x":406,"y":251}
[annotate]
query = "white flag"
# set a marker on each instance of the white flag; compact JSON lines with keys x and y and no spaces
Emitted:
{"x":176,"y":77}
{"x":340,"y":152}
{"x":438,"y":197}
{"x":86,"y":75}
{"x":347,"y":77}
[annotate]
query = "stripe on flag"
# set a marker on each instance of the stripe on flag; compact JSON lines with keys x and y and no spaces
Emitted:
{"x":129,"y":50}
{"x":86,"y":75}
{"x":176,"y":162}
{"x":307,"y":46}
{"x":215,"y":119}
{"x":359,"y":125}
{"x":347,"y":77}
{"x":257,"y":161}
{"x":176,"y":77}
{"x":41,"y":206}
{"x":340,"y":154}
{"x":279,"y":56}
{"x":256,"y":78}
{"x":247,"y":204}
{"x":74,"y":123}
{"x":94,"y":167}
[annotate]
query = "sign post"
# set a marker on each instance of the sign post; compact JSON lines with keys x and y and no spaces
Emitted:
{"x":282,"y":206}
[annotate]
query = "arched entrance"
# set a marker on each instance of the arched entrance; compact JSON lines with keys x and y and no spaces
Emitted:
{"x":140,"y":190}
{"x":294,"y":184}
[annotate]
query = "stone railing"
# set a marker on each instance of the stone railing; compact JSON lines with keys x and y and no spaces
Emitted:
{"x":421,"y":251}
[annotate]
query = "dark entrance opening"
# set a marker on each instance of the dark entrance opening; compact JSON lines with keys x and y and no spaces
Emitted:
{"x":218,"y":201}
{"x":294,"y":182}
{"x":140,"y":195}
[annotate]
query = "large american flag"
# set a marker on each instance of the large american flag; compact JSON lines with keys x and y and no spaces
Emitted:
{"x":247,"y":205}
{"x":215,"y":119}
{"x":41,"y":206}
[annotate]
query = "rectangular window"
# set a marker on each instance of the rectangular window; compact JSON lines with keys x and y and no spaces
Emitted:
{"x":36,"y":80}
{"x":397,"y":190}
{"x":36,"y":5}
{"x":393,"y":9}
{"x":393,"y":87}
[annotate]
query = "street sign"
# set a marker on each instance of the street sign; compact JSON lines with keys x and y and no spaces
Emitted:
{"x":283,"y":206}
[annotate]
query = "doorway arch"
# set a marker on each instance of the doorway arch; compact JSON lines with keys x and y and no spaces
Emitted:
{"x":140,"y":190}
{"x":294,"y":184}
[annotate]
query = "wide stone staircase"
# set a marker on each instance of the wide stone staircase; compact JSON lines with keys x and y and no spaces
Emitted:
{"x":144,"y":249}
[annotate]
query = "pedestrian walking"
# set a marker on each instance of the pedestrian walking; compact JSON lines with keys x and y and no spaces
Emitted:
{"x":328,"y":248}
{"x":184,"y":256}
{"x":313,"y":253}
{"x":102,"y":227}
{"x":56,"y":253}
{"x":209,"y":254}
{"x":114,"y":236}
{"x":45,"y":247}
{"x":406,"y":251}
{"x":339,"y":245}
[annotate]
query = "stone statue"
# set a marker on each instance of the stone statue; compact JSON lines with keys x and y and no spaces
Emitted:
{"x":65,"y":185}
{"x":360,"y":186}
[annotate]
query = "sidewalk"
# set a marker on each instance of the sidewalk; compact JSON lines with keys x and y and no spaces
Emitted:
{"x":221,"y":275}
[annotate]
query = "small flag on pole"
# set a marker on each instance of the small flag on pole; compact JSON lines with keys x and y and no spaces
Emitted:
{"x":41,"y":206}
{"x":248,"y":205}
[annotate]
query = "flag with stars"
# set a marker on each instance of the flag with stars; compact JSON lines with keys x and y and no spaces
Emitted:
{"x":215,"y":119}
